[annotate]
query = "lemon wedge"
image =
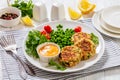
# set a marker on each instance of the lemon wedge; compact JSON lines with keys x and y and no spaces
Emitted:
{"x":86,"y":7}
{"x":73,"y":14}
{"x":27,"y":21}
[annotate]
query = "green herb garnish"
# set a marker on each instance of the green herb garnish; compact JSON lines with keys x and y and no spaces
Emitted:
{"x":33,"y":40}
{"x":57,"y":65}
{"x":94,"y":38}
{"x":25,"y":7}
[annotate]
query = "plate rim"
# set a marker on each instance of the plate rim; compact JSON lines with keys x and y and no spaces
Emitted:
{"x":97,"y":25}
{"x":104,"y":17}
{"x":58,"y":71}
{"x":105,"y":26}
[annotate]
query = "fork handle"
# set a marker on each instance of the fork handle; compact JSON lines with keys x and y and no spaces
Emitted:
{"x":22,"y":70}
{"x":28,"y":69}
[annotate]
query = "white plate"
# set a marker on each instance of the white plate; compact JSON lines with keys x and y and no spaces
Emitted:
{"x":97,"y":24}
{"x":83,"y":64}
{"x":108,"y":27}
{"x":111,"y":16}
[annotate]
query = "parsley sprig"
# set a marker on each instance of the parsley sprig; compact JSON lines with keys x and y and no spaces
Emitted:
{"x":25,"y":7}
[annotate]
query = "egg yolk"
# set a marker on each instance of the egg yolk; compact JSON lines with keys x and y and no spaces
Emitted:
{"x":49,"y":50}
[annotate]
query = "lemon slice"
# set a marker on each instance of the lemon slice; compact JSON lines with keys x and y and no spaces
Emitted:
{"x":86,"y":7}
{"x":73,"y":14}
{"x":27,"y":21}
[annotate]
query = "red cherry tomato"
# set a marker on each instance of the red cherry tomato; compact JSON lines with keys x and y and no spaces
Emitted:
{"x":78,"y":29}
{"x":47,"y":36}
{"x":43,"y":32}
{"x":48,"y":29}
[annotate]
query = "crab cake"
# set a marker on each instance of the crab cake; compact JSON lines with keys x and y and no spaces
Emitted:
{"x":79,"y":35}
{"x":87,"y":47}
{"x":70,"y":56}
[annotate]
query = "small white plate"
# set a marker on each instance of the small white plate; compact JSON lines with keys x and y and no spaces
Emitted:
{"x":111,"y":16}
{"x":83,"y":64}
{"x":97,"y":24}
{"x":108,"y":27}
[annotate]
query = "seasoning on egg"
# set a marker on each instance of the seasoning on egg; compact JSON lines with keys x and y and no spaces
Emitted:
{"x":49,"y":50}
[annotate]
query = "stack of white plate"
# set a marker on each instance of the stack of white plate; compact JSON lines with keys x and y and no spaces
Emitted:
{"x":107,"y":21}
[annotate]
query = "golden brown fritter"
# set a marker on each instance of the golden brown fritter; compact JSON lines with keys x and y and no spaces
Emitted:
{"x":79,"y":35}
{"x":70,"y":56}
{"x":87,"y":47}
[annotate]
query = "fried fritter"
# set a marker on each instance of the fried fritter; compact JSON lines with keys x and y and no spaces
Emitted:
{"x":79,"y":35}
{"x":70,"y":56}
{"x":87,"y":47}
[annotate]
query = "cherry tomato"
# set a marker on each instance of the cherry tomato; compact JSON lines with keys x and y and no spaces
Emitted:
{"x":78,"y":29}
{"x":43,"y":32}
{"x":47,"y":36}
{"x":48,"y":29}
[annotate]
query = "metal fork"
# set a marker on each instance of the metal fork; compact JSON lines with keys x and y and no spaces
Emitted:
{"x":9,"y":44}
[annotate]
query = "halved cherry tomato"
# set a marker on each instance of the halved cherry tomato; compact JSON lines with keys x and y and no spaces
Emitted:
{"x":78,"y":29}
{"x":47,"y":36}
{"x":48,"y":28}
{"x":43,"y":32}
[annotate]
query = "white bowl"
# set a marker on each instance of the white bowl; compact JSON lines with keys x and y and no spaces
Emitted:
{"x":111,"y":16}
{"x":13,"y":22}
{"x":47,"y":58}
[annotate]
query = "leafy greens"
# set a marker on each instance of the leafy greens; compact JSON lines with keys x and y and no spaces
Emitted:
{"x":33,"y":40}
{"x":57,"y":65}
{"x":94,"y":38}
{"x":25,"y":7}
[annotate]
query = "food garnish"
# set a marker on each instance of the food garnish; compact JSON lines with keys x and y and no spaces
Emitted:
{"x":27,"y":21}
{"x":33,"y":40}
{"x":48,"y":28}
{"x":74,"y":15}
{"x":86,"y":7}
{"x":94,"y":38}
{"x":78,"y":29}
{"x":25,"y":7}
{"x":57,"y":65}
{"x":45,"y":34}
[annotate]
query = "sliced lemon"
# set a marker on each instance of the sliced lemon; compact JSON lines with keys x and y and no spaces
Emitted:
{"x":86,"y":7}
{"x":73,"y":14}
{"x":27,"y":21}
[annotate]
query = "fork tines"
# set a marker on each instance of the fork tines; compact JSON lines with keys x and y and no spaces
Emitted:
{"x":10,"y":39}
{"x":3,"y":41}
{"x":7,"y":39}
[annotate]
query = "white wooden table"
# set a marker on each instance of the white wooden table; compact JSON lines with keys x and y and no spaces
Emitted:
{"x":114,"y":73}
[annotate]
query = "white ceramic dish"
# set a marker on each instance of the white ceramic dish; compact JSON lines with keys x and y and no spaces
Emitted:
{"x":47,"y":58}
{"x":97,"y":24}
{"x":111,"y":16}
{"x":13,"y":22}
{"x":107,"y":27}
{"x":83,"y":64}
